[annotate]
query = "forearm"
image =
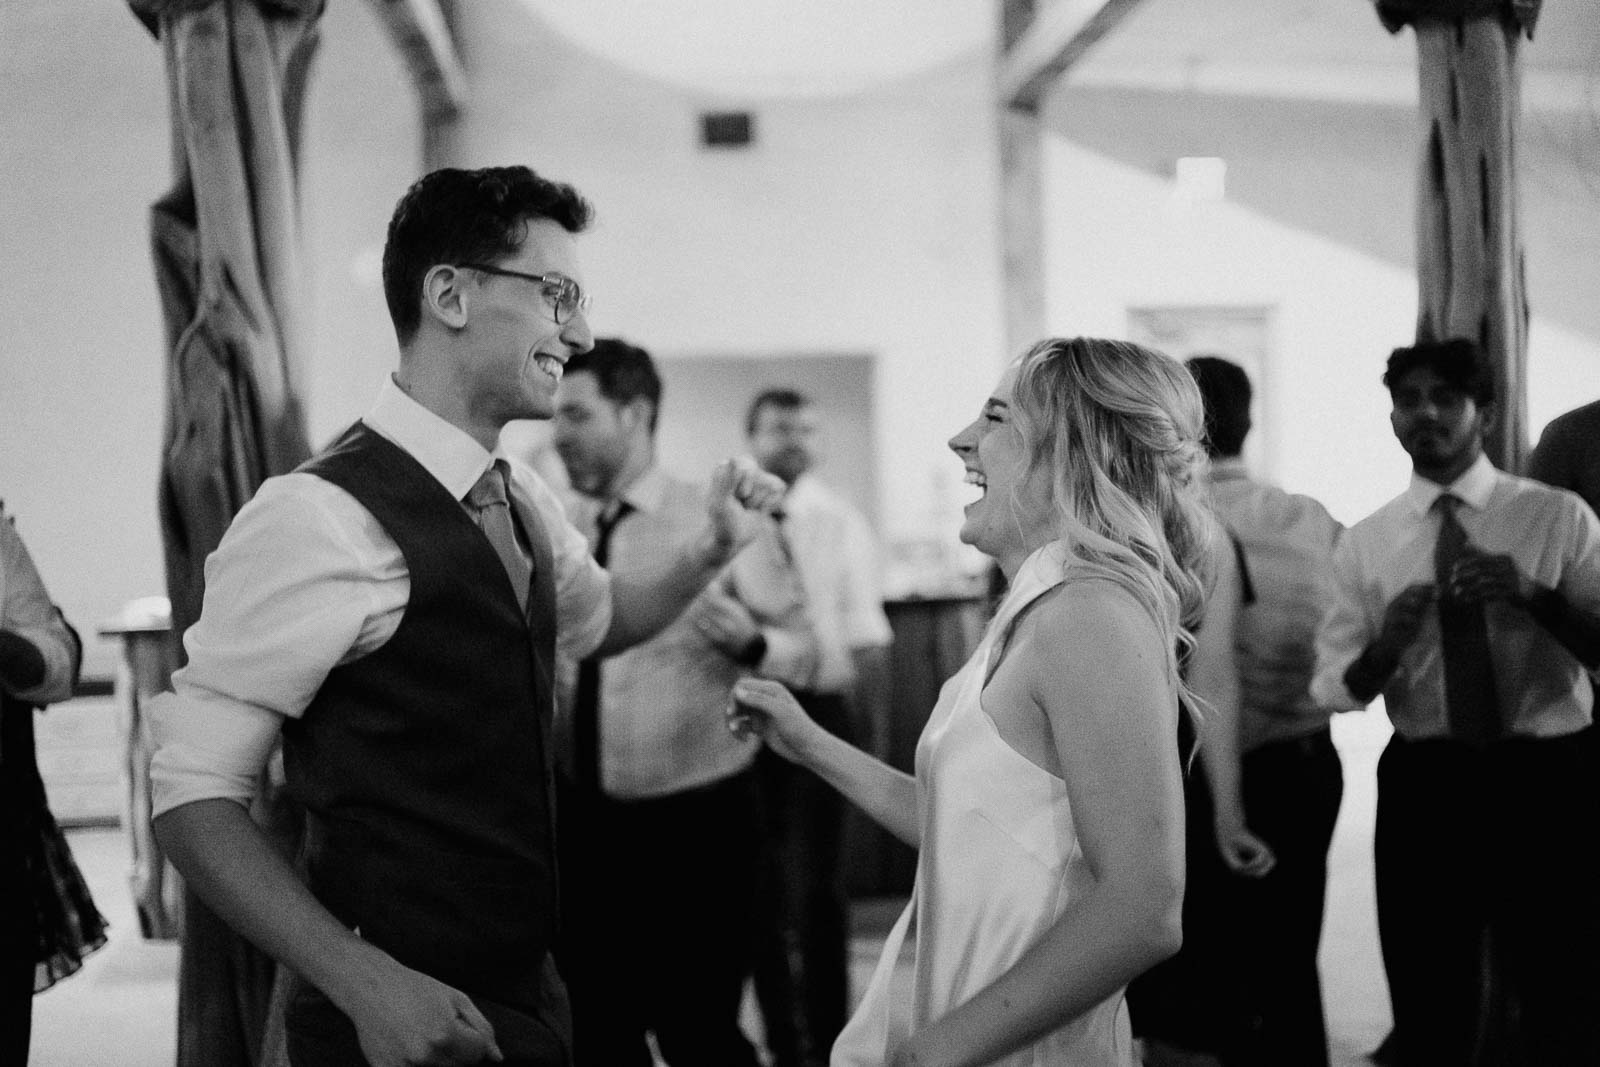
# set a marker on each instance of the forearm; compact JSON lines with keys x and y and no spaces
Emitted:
{"x":1578,"y":632}
{"x":22,"y":665}
{"x":39,"y":659}
{"x":645,"y":599}
{"x":1220,"y":763}
{"x":242,"y":877}
{"x":1116,"y":933}
{"x":888,"y":796}
{"x":1217,"y":683}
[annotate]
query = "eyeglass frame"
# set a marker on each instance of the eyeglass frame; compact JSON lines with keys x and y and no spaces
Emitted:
{"x":581,"y":301}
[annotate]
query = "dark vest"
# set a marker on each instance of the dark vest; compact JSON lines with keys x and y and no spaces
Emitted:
{"x":423,"y":766}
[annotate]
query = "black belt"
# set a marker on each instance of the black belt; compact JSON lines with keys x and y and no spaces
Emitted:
{"x":1312,"y":744}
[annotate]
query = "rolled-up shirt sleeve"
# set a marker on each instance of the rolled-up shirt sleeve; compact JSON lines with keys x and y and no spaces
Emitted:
{"x":1346,"y":629}
{"x":294,"y":589}
{"x":27,"y":611}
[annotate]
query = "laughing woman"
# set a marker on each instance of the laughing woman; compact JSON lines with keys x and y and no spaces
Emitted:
{"x":1047,"y":803}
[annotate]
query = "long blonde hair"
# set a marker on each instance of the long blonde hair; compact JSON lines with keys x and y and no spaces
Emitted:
{"x":1118,"y":427}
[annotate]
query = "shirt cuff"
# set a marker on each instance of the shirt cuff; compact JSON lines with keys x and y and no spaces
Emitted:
{"x":207,"y":750}
{"x":789,"y":659}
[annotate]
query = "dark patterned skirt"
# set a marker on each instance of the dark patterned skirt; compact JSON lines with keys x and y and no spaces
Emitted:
{"x":68,"y":924}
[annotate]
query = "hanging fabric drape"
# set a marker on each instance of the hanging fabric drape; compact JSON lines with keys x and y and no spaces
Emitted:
{"x":225,"y":246}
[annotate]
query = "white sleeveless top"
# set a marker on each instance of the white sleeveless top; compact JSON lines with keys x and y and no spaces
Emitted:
{"x":999,"y":863}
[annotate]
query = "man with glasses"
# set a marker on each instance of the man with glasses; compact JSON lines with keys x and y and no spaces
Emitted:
{"x":393,"y":610}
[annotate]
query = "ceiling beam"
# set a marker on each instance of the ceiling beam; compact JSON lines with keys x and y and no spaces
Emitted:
{"x":422,"y":34}
{"x":1058,"y":35}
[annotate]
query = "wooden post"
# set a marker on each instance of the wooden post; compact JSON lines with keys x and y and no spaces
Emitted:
{"x":1021,"y":203}
{"x":227,"y":262}
{"x":1470,"y":270}
{"x":422,"y":31}
{"x":1037,"y":48}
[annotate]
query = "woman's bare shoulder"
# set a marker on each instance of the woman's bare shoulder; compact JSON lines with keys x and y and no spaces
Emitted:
{"x":1094,"y":610}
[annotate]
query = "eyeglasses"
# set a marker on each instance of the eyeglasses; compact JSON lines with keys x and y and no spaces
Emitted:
{"x":564,"y":294}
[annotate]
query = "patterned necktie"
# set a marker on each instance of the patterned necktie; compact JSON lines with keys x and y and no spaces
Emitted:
{"x":1471,"y":701}
{"x":586,"y":698}
{"x":492,"y":511}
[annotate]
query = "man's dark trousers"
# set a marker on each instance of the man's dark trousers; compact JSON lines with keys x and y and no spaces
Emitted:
{"x":659,"y":922}
{"x":802,"y":964}
{"x":1292,"y":790}
{"x":1494,"y":843}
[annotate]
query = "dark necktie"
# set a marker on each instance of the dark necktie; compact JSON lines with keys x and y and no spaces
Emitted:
{"x":492,"y":511}
{"x":1471,"y":702}
{"x":780,"y":519}
{"x":586,"y":698}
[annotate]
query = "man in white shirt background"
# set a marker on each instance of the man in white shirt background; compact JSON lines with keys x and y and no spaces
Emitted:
{"x":1291,"y":780}
{"x":823,"y":545}
{"x":392,"y":610}
{"x":660,"y":839}
{"x":1472,"y":603}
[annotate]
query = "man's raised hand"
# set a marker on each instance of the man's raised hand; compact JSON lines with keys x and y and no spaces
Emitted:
{"x":740,"y":492}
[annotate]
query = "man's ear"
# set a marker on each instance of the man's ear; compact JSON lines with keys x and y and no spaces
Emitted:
{"x":444,"y":295}
{"x":637,"y":411}
{"x":1489,"y":419}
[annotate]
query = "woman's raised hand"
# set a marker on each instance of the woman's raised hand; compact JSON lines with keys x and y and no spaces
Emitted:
{"x":768,"y":710}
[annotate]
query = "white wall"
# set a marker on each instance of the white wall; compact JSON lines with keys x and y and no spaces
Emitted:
{"x":862,"y":224}
{"x":1117,"y":240}
{"x":84,"y":150}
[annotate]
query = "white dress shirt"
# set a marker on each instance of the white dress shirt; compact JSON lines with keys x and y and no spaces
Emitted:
{"x":1288,"y":542}
{"x":661,"y":702}
{"x":837,"y":556}
{"x":306,"y":579}
{"x":1553,"y":538}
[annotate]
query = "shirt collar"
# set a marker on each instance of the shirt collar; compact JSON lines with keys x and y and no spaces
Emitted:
{"x":1228,"y":468}
{"x":1474,"y":487}
{"x":648,"y":491}
{"x":445,"y":451}
{"x":806,"y":493}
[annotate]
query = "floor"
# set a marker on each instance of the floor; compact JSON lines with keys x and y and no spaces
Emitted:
{"x":119,"y":1010}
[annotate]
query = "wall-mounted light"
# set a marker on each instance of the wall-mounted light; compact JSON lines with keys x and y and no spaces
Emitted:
{"x":727,"y":129}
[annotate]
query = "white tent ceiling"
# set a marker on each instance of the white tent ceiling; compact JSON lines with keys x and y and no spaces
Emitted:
{"x":1316,"y":49}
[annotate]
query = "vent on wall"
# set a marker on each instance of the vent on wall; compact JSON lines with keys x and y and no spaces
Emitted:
{"x":727,"y":129}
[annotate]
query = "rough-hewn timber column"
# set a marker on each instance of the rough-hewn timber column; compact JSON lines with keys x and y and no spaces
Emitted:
{"x":1039,"y":43}
{"x":1021,"y":203}
{"x":421,"y":30}
{"x":1469,"y":246}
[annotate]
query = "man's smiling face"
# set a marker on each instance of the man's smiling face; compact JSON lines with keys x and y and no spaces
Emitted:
{"x":519,"y":347}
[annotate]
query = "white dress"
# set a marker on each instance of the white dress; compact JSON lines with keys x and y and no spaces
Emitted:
{"x":999,"y":863}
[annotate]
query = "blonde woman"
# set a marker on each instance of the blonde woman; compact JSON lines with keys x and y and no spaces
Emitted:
{"x":1047,"y":801}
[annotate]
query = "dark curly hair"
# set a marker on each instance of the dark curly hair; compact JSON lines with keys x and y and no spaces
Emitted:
{"x":1225,"y":389}
{"x":622,"y":372}
{"x":457,"y":216}
{"x":1460,"y":362}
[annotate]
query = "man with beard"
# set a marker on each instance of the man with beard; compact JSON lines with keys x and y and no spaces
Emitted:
{"x":660,"y":825}
{"x":1471,"y":602}
{"x":823,"y":545}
